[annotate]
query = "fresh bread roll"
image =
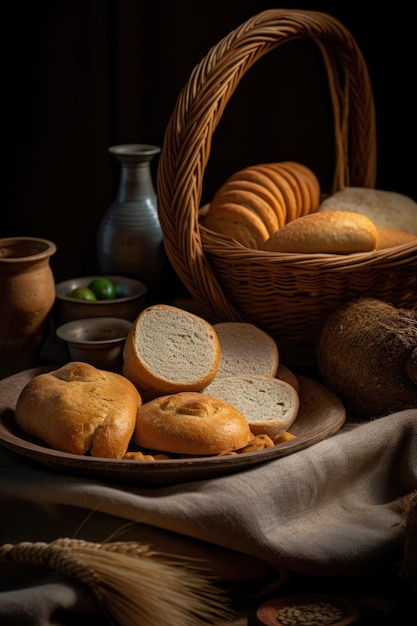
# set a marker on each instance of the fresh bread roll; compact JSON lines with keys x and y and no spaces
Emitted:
{"x":168,"y":350}
{"x":387,"y":209}
{"x":246,"y":349}
{"x":191,"y":423}
{"x":333,"y":232}
{"x":80,"y":410}
{"x":391,"y":237}
{"x":270,"y":405}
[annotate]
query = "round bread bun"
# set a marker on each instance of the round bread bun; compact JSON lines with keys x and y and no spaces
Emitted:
{"x":191,"y":423}
{"x":330,"y":232}
{"x":80,"y":409}
{"x":168,"y":350}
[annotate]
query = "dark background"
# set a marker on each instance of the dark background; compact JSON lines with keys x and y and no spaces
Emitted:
{"x":81,"y":75}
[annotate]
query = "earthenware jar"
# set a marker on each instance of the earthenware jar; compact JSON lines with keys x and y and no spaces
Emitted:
{"x":129,"y":240}
{"x":27,"y":289}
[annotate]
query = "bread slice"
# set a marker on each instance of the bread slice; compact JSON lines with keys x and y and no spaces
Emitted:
{"x":330,"y":232}
{"x":269,"y":404}
{"x":169,"y":350}
{"x":246,"y":349}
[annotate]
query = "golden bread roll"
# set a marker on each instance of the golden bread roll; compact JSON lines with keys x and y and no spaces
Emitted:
{"x":391,"y":237}
{"x":80,"y":409}
{"x":333,"y":232}
{"x":168,"y":350}
{"x":190,"y":423}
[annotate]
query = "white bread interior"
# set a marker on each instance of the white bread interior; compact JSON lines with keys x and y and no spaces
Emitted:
{"x":169,"y":350}
{"x":246,"y":349}
{"x":270,"y":405}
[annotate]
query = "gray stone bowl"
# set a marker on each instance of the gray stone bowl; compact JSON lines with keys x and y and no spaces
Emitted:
{"x":96,"y":340}
{"x":129,"y":302}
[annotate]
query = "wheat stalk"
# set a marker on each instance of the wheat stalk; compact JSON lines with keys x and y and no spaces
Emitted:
{"x":134,"y":585}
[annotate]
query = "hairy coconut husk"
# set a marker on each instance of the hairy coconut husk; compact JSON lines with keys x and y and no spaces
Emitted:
{"x":133,"y":584}
{"x":367,"y":354}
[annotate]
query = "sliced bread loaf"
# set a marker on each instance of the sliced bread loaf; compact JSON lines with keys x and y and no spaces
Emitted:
{"x":246,"y":349}
{"x":269,"y":404}
{"x":169,"y":350}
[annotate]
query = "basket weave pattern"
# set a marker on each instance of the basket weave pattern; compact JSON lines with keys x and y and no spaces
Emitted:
{"x":288,"y":295}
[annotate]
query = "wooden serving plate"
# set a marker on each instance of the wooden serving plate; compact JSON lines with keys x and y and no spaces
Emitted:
{"x":321,"y":415}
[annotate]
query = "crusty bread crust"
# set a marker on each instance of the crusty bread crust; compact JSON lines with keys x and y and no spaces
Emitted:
{"x":168,"y":350}
{"x":190,"y":423}
{"x":79,"y":409}
{"x":332,"y":232}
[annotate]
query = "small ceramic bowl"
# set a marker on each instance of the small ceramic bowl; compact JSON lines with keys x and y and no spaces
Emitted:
{"x":129,"y":301}
{"x":96,"y":340}
{"x":299,"y":609}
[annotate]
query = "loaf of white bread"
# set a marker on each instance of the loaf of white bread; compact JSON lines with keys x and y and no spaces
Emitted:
{"x":179,"y":393}
{"x":80,"y":409}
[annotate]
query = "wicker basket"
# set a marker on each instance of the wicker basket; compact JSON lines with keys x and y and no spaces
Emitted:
{"x":288,"y":295}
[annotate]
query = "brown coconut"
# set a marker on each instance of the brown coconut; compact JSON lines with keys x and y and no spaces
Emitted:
{"x":367,"y":354}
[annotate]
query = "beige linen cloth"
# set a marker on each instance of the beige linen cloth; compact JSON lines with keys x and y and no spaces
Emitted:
{"x":333,"y":509}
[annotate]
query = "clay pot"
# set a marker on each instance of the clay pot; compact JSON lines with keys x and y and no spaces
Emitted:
{"x":27,"y":292}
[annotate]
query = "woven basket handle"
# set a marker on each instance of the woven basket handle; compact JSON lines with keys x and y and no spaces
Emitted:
{"x":198,"y":110}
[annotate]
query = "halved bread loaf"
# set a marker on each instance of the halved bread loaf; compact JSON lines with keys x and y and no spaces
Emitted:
{"x":168,"y":350}
{"x":270,"y":405}
{"x":246,"y":349}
